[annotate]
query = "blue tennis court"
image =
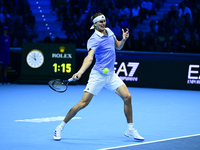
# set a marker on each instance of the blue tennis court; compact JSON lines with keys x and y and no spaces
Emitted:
{"x":167,"y":119}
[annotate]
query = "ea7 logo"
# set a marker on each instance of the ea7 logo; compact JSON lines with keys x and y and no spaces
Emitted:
{"x":123,"y":68}
{"x":193,"y":74}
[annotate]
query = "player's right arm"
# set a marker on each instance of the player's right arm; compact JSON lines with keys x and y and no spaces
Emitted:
{"x":86,"y":64}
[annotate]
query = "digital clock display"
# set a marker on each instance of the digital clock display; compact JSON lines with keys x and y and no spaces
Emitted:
{"x":64,"y":68}
{"x":59,"y":61}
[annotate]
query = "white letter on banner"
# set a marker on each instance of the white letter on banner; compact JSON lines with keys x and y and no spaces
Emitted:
{"x":122,"y":68}
{"x":134,"y":66}
{"x":190,"y":71}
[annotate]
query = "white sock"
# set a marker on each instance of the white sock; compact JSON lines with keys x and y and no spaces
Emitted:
{"x":130,"y":125}
{"x":62,"y":124}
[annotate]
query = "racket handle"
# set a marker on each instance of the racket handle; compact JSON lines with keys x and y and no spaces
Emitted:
{"x":70,"y":80}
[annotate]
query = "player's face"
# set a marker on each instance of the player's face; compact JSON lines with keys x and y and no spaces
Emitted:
{"x":100,"y":25}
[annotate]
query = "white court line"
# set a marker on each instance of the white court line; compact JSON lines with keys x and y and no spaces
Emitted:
{"x":151,"y":142}
{"x":47,"y":119}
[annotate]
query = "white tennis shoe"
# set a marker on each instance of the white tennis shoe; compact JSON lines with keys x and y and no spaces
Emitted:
{"x":57,"y":133}
{"x":133,"y":134}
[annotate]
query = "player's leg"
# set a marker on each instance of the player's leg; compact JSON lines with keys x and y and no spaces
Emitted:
{"x":123,"y":92}
{"x":85,"y":100}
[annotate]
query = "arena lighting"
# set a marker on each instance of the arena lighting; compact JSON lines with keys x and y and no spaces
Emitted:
{"x":44,"y":19}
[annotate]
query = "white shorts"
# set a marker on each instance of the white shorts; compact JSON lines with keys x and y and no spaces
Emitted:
{"x":97,"y":81}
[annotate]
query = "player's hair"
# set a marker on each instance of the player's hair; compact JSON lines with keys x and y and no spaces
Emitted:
{"x":96,"y":15}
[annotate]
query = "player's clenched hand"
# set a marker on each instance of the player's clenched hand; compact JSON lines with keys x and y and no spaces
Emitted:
{"x":76,"y":76}
{"x":125,"y":35}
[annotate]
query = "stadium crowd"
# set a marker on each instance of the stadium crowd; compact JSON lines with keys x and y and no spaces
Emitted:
{"x":177,"y":31}
{"x":18,"y":17}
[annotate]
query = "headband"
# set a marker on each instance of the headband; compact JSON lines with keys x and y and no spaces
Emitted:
{"x":98,"y":18}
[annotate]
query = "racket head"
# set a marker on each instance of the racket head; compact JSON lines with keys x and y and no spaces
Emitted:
{"x":58,"y":85}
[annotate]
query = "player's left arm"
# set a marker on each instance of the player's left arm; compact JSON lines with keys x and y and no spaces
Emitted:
{"x":119,"y":44}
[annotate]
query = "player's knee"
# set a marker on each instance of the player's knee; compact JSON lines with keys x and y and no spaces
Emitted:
{"x":84,"y":104}
{"x":127,"y":98}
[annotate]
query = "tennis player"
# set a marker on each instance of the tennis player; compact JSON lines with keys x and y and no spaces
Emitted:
{"x":102,"y":44}
{"x":4,"y":53}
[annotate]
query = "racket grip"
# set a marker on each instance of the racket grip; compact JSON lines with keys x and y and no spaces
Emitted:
{"x":70,"y":80}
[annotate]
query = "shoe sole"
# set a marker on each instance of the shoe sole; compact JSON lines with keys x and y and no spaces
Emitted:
{"x":56,"y":139}
{"x":138,"y":140}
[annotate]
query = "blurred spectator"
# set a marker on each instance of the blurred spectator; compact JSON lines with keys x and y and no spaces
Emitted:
{"x":153,"y":28}
{"x":135,"y":16}
{"x":57,"y":40}
{"x":162,"y":36}
{"x":172,"y":11}
{"x":115,"y":27}
{"x":2,"y":14}
{"x":29,"y":22}
{"x":59,"y":11}
{"x":188,"y":21}
{"x":143,"y":46}
{"x":150,"y":38}
{"x":138,"y":42}
{"x":11,"y":7}
{"x":180,"y":44}
{"x":29,"y":19}
{"x":19,"y":33}
{"x":183,"y":10}
{"x":164,"y":23}
{"x":188,"y":3}
{"x":124,"y":12}
{"x":69,"y":19}
{"x":196,"y":12}
{"x":179,"y":21}
{"x":196,"y":47}
{"x":159,"y":4}
{"x":197,"y":26}
{"x":193,"y":30}
{"x":124,"y":22}
{"x":24,"y":7}
{"x":75,"y":6}
{"x":104,"y":7}
{"x":174,"y":29}
{"x":169,"y":46}
{"x":146,"y":8}
{"x":4,"y":53}
{"x":93,"y":7}
{"x":47,"y":40}
{"x":130,"y":43}
{"x":155,"y":47}
{"x":14,"y":19}
{"x":113,"y":10}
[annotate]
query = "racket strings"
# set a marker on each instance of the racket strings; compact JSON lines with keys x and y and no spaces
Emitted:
{"x":58,"y":85}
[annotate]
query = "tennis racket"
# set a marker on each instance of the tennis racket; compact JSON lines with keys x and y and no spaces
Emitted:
{"x":59,"y":85}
